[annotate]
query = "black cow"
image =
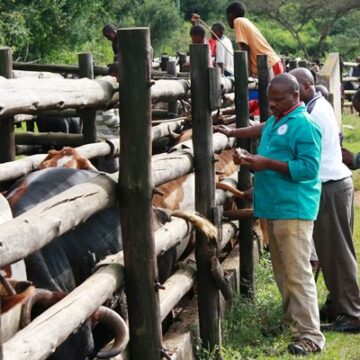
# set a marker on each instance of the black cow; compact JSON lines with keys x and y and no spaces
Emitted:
{"x":67,"y":261}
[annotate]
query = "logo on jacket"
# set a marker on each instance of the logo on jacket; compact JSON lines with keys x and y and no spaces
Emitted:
{"x":282,"y":129}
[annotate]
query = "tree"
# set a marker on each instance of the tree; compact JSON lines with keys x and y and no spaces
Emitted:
{"x":295,"y":15}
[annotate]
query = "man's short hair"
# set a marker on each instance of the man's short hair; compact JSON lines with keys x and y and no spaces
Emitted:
{"x":107,"y":29}
{"x":218,"y":27}
{"x":287,"y":80}
{"x":237,"y":8}
{"x":197,"y":30}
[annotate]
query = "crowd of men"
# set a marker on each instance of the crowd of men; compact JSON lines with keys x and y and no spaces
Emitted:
{"x":302,"y":187}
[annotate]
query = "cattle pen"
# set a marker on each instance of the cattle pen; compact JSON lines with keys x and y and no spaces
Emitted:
{"x":149,"y":302}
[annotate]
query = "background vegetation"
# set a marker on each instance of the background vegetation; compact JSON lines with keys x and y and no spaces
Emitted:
{"x":54,"y":31}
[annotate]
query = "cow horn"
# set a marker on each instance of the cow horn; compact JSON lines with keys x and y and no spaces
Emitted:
{"x":40,"y":296}
{"x":118,"y":325}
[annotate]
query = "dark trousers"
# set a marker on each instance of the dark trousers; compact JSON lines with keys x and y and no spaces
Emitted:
{"x":334,"y":246}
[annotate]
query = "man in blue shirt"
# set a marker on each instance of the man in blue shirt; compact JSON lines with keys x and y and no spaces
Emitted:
{"x":286,"y":193}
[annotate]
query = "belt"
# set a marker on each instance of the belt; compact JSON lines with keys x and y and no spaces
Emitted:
{"x":334,"y":181}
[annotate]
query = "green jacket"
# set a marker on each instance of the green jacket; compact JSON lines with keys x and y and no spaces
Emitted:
{"x":295,"y":139}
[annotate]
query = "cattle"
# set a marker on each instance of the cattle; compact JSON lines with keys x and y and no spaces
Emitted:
{"x":67,"y":261}
{"x":68,"y":125}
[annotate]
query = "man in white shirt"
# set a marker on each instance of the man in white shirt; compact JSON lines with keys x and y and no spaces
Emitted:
{"x":333,"y":227}
{"x":224,"y":57}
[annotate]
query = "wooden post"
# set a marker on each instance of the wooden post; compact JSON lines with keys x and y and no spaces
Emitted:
{"x":7,"y":128}
{"x":208,"y":294}
{"x":182,"y":60}
{"x":163,"y":62}
{"x":215,"y":88}
{"x":244,"y":177}
{"x":263,"y":76}
{"x":171,"y":70}
{"x":86,"y":70}
{"x":135,"y":192}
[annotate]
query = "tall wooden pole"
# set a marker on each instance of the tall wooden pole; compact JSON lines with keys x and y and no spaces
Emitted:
{"x":208,"y":294}
{"x":171,"y":70}
{"x":86,"y":70}
{"x":7,"y":128}
{"x":263,"y":76}
{"x":244,"y":176}
{"x":135,"y":194}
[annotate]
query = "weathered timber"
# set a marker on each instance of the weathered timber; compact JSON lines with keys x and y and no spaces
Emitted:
{"x":184,"y":279}
{"x":86,"y":70}
{"x":244,"y":176}
{"x":7,"y":128}
{"x":208,"y":294}
{"x":54,"y":325}
{"x":19,"y":74}
{"x":169,"y":90}
{"x":30,"y":138}
{"x":178,"y":339}
{"x":20,"y":96}
{"x":171,"y":70}
{"x":215,"y":88}
{"x":52,"y":218}
{"x":263,"y":76}
{"x":165,"y":167}
{"x":135,"y":191}
{"x":41,"y":337}
{"x":55,"y":68}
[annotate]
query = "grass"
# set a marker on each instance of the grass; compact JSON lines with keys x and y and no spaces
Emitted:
{"x":251,"y":330}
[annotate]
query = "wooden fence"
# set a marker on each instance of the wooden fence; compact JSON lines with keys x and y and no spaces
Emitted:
{"x":140,"y":172}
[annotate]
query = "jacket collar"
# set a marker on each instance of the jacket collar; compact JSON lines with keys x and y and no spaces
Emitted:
{"x":288,"y":115}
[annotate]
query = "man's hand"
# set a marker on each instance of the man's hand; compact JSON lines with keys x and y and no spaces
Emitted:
{"x":195,"y":18}
{"x":253,"y":162}
{"x":347,"y":157}
{"x":223,"y":129}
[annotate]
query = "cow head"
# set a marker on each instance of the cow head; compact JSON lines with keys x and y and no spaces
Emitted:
{"x":67,"y":157}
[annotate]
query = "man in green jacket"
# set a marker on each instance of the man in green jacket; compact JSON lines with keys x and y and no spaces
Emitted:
{"x":287,"y":193}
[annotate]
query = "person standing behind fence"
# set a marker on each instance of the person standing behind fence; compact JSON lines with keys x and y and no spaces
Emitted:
{"x":249,"y":38}
{"x":224,"y":57}
{"x":110,"y":32}
{"x":287,"y":193}
{"x":334,"y":225}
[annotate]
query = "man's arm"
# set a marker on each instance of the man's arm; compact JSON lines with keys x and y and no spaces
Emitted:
{"x":251,"y":132}
{"x":351,"y":160}
{"x":245,"y":47}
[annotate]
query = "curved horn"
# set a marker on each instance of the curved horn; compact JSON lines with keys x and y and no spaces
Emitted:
{"x":119,"y":327}
{"x":39,"y":296}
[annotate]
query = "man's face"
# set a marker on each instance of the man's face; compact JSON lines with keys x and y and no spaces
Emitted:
{"x":110,"y":35}
{"x":281,"y":99}
{"x":230,"y":20}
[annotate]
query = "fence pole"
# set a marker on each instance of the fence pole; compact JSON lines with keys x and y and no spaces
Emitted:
{"x":208,"y":294}
{"x":86,"y":70}
{"x":7,"y":128}
{"x":244,"y":177}
{"x":171,"y":70}
{"x":263,"y":76}
{"x":135,"y":194}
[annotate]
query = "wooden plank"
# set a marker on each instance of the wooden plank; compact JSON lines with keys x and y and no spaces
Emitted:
{"x":52,"y":218}
{"x":21,"y":96}
{"x":7,"y":128}
{"x":62,"y":139}
{"x":244,"y":176}
{"x":208,"y":294}
{"x":263,"y":76}
{"x":135,"y":191}
{"x":87,"y":116}
{"x":40,"y":338}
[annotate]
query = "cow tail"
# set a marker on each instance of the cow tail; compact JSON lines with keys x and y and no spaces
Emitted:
{"x":199,"y":222}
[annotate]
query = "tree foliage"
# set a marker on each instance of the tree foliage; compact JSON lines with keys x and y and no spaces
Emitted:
{"x":55,"y":30}
{"x":295,"y":15}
